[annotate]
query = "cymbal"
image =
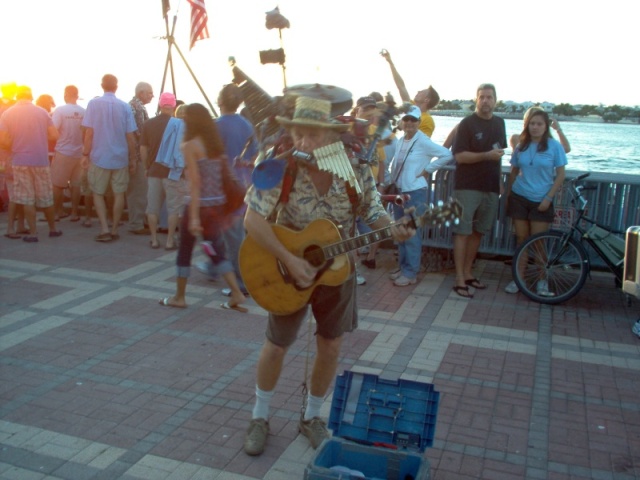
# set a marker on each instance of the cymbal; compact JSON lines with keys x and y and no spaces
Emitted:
{"x":340,"y":98}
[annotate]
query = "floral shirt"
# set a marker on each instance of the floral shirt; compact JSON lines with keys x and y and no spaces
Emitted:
{"x":140,"y":115}
{"x":306,"y":205}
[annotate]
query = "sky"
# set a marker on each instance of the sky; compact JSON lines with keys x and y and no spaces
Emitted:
{"x":558,"y":51}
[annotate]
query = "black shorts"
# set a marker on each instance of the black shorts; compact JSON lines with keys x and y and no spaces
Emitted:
{"x":335,"y":310}
{"x":520,"y":208}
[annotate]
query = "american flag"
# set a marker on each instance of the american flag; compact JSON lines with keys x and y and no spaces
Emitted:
{"x":198,"y":22}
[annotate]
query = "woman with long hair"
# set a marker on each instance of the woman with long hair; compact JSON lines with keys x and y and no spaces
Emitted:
{"x":203,"y":216}
{"x":537,"y":173}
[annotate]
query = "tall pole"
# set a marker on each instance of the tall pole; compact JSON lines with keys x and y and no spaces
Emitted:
{"x":169,"y":64}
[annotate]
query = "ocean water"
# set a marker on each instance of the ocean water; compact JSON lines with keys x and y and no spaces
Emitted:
{"x":595,"y":147}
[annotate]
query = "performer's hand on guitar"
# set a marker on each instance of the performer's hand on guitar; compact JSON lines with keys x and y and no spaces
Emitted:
{"x":303,"y":273}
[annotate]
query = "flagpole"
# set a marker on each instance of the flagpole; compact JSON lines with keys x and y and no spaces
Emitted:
{"x":171,"y":42}
{"x":169,"y":61}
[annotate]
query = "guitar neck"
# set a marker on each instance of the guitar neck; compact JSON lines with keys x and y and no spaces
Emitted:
{"x":340,"y":248}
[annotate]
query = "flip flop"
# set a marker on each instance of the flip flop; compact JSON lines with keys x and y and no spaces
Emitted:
{"x":172,"y":247}
{"x":475,"y":283}
{"x":165,"y":303}
{"x":74,"y":219}
{"x":238,"y":308}
{"x":13,"y":236}
{"x":462,"y":292}
{"x":103,"y":237}
{"x":87,"y":223}
{"x":154,"y":246}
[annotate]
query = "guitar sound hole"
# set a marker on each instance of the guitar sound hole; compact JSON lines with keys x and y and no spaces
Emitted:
{"x":313,"y":254}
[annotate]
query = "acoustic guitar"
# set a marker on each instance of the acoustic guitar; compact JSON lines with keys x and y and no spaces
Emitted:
{"x":320,"y":243}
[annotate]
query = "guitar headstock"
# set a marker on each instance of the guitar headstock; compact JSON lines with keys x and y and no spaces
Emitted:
{"x":446,"y":214}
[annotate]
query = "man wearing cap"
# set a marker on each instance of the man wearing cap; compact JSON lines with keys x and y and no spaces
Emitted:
{"x":314,"y":194}
{"x":109,"y":153}
{"x":65,"y":168}
{"x":425,"y":99}
{"x":478,"y":147}
{"x":137,"y":189}
{"x":163,"y":161}
{"x":26,"y":129}
{"x":413,"y":158}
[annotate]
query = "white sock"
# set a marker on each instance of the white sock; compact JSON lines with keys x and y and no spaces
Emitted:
{"x":263,"y":401}
{"x":313,"y":407}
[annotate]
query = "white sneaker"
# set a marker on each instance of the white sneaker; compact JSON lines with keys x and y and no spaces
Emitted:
{"x":403,"y":281}
{"x":636,"y":328}
{"x":511,"y":287}
{"x":360,"y":280}
{"x":395,"y":275}
{"x":542,"y":289}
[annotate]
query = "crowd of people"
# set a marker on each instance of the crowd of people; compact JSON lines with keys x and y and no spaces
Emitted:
{"x":170,"y":168}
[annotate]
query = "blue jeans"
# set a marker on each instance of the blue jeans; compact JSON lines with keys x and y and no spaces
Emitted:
{"x":410,"y":251}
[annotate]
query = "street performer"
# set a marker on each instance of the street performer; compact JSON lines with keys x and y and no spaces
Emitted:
{"x":314,"y":194}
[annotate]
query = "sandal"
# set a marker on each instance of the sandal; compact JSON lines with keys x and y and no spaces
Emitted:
{"x":166,"y":302}
{"x":103,"y":237}
{"x":86,"y":223}
{"x":475,"y":283}
{"x":462,"y":291}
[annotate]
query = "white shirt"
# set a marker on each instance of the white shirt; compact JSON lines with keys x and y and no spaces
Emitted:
{"x":417,"y":155}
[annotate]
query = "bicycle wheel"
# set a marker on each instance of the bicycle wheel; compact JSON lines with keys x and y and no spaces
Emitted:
{"x":554,"y":258}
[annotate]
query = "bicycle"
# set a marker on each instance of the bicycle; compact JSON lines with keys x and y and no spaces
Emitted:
{"x":551,"y":267}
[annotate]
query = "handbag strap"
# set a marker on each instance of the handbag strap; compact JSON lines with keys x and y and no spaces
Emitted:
{"x":405,"y":161}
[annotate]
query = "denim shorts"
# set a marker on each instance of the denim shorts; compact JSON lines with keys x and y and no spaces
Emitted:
{"x":521,"y":208}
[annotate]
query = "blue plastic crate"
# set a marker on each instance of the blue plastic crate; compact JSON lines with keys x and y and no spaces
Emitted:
{"x":381,"y":429}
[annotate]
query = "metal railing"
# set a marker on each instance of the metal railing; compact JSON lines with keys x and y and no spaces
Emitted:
{"x":614,"y":203}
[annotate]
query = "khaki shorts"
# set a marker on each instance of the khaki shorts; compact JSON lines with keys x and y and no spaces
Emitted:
{"x":32,"y":186}
{"x":101,"y":178}
{"x":173,"y":191}
{"x":66,"y":170}
{"x":334,"y":308}
{"x":479,"y":211}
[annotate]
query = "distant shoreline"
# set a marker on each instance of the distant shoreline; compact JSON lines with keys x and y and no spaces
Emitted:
{"x":519,"y":116}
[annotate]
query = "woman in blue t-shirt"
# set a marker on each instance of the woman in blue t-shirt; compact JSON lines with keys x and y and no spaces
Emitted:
{"x":537,"y":173}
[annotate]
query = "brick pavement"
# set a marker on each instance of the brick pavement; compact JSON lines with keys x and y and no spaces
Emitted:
{"x":101,"y":382}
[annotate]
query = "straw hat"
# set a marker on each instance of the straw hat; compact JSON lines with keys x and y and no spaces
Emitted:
{"x":312,"y":112}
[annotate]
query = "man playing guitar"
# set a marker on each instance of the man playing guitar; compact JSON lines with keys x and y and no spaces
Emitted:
{"x":314,"y":194}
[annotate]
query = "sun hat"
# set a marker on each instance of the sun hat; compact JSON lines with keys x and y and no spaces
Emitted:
{"x":312,"y":112}
{"x":167,"y":99}
{"x":414,"y":112}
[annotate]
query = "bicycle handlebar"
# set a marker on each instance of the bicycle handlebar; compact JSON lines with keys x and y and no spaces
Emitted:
{"x":580,"y":177}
